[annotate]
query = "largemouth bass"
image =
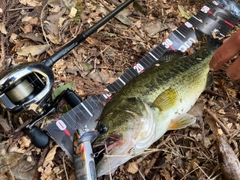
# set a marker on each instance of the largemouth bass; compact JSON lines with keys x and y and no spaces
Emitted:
{"x":151,"y":104}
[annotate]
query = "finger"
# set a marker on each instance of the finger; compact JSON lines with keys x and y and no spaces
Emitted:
{"x":234,"y":69}
{"x":228,"y":50}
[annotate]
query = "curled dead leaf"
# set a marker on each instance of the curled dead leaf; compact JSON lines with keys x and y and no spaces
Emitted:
{"x":33,"y":50}
{"x":3,"y":28}
{"x":99,"y":76}
{"x":32,"y":36}
{"x":53,"y":38}
{"x":24,"y":142}
{"x":132,"y":168}
{"x":154,"y":28}
{"x":50,"y":156}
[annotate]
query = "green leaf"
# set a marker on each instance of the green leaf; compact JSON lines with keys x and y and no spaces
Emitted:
{"x":183,"y":13}
{"x":138,"y":8}
{"x":66,"y":108}
{"x":60,"y":89}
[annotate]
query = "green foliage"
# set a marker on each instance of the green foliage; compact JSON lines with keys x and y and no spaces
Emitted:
{"x":138,"y":8}
{"x":79,"y":11}
{"x":66,"y":108}
{"x":60,"y":89}
{"x":183,"y":12}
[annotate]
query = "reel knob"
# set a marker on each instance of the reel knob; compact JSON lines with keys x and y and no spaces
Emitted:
{"x":38,"y":137}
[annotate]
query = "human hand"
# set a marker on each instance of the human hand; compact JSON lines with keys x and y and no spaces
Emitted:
{"x":229,"y":49}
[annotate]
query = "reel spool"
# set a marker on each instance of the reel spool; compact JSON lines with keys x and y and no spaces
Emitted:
{"x":26,"y":84}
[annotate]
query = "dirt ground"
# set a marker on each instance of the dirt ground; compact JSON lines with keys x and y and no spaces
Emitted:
{"x":191,"y":153}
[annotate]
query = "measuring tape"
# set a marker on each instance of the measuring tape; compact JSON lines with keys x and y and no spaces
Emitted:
{"x":213,"y":17}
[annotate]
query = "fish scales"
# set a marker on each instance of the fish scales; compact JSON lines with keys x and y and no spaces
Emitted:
{"x":152,"y":103}
{"x":159,"y":78}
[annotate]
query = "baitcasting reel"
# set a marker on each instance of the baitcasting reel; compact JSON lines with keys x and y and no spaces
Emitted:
{"x":24,"y":85}
{"x":28,"y":87}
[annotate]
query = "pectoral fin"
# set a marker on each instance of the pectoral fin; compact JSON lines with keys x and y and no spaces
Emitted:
{"x":182,"y":121}
{"x":166,"y":99}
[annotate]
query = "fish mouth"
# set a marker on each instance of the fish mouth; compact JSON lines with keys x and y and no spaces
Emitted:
{"x":111,"y":154}
{"x":105,"y":144}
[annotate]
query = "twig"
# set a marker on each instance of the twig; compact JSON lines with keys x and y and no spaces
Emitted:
{"x":41,"y":20}
{"x":189,"y":173}
{"x":65,"y":170}
{"x":11,"y":173}
{"x":40,"y":162}
{"x":109,"y":165}
{"x":19,"y":9}
{"x":154,"y":159}
{"x":158,"y":146}
{"x":141,"y":174}
{"x":23,"y":125}
{"x":213,"y":115}
{"x":2,"y":64}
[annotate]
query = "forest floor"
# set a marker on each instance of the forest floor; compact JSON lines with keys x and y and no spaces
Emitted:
{"x":191,"y":153}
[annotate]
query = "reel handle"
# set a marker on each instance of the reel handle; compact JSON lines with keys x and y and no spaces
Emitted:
{"x":40,"y":138}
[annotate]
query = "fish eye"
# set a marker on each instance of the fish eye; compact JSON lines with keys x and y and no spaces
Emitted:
{"x":102,"y":128}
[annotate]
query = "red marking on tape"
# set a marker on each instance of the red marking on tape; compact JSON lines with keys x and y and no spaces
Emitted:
{"x":228,"y":23}
{"x":210,"y":12}
{"x":67,"y":132}
{"x":172,"y":48}
{"x":62,"y":126}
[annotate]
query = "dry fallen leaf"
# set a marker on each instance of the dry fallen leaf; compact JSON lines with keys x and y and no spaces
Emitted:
{"x":27,"y":28}
{"x":154,"y":28}
{"x":47,"y":168}
{"x":166,"y":174}
{"x":53,"y":38}
{"x":99,"y":76}
{"x":3,"y":28}
{"x":50,"y":156}
{"x":73,"y":12}
{"x":32,"y":3}
{"x":24,"y":142}
{"x":33,"y":50}
{"x":32,"y":36}
{"x":132,"y":167}
{"x":122,"y":16}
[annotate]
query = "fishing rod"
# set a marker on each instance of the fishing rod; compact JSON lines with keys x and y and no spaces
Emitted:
{"x":30,"y":84}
